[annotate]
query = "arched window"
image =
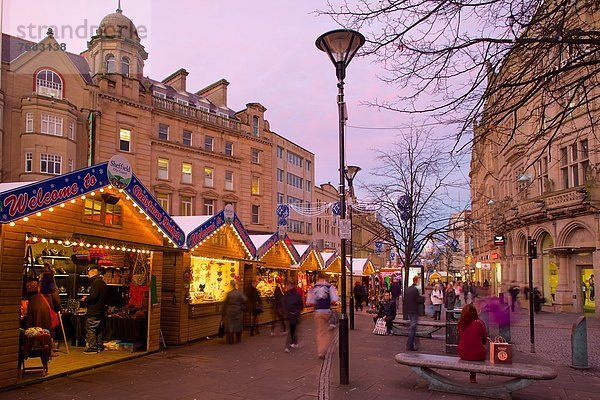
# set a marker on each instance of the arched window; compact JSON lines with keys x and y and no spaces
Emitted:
{"x":125,"y":66}
{"x":140,"y":70}
{"x":48,"y":83}
{"x":111,"y":66}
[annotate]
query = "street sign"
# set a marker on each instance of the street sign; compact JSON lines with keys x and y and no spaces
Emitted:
{"x":345,"y":229}
{"x":498,"y":240}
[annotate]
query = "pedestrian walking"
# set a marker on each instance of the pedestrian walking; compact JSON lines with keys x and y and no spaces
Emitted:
{"x":437,"y":299}
{"x":592,"y":288}
{"x":413,"y":300}
{"x":358,"y":296}
{"x":278,"y":312}
{"x":514,"y":293}
{"x":322,"y":296}
{"x":255,"y":308}
{"x":449,"y":301}
{"x":292,"y":306}
{"x":387,"y":311}
{"x":396,"y":290}
{"x":472,"y":336}
{"x":232,"y":313}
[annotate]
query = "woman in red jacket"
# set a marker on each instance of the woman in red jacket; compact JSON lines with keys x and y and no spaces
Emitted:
{"x":472,"y":337}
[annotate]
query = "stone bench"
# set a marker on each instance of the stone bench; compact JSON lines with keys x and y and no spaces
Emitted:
{"x":424,"y":328}
{"x":523,"y":374}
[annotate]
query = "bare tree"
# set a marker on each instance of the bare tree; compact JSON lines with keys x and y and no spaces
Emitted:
{"x":412,"y":188}
{"x":521,"y":67}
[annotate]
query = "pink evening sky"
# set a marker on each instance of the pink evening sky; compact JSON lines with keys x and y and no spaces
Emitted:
{"x":264,"y":48}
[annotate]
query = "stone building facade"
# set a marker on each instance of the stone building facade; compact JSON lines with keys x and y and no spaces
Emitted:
{"x":547,"y":190}
{"x":64,"y":111}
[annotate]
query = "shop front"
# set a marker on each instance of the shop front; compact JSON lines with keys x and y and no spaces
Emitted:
{"x":196,"y":281}
{"x":95,"y":218}
{"x":333,"y":267}
{"x":310,"y":263}
{"x":277,"y":260}
{"x":362,"y":272}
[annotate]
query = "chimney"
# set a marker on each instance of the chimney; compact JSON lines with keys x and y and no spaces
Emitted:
{"x":177,"y":79}
{"x":216,"y":92}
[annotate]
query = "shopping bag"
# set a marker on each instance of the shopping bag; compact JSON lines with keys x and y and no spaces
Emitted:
{"x":380,"y":327}
{"x":500,"y":351}
{"x":221,"y":331}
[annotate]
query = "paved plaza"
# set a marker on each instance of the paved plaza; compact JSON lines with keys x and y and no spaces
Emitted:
{"x":257,"y":368}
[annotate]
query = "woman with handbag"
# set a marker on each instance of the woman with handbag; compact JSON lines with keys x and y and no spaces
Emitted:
{"x":472,"y":337}
{"x":43,"y":305}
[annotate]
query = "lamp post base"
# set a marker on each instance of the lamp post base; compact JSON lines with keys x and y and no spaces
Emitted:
{"x":344,"y":351}
{"x":352,"y":312}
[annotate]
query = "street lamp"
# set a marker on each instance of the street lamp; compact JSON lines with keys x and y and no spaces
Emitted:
{"x":341,"y":45}
{"x":351,"y":171}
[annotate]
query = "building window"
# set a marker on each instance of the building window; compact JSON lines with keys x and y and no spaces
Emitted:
{"x":125,"y":139}
{"x":28,"y":162}
{"x":50,"y":164}
{"x":255,"y":126}
{"x":542,"y":174}
{"x":327,"y":227}
{"x":186,"y":205}
{"x":187,"y":138}
{"x":209,"y":207}
{"x":163,"y":168}
{"x":98,"y":211}
{"x":224,"y":119}
{"x":209,"y":174}
{"x":574,"y":164}
{"x":48,"y":83}
{"x":295,"y":226}
{"x":163,"y":200}
{"x":280,"y":198}
{"x":319,"y":225}
{"x":92,"y":210}
{"x":255,"y":214}
{"x":308,"y":185}
{"x":255,"y":156}
{"x":228,"y":180}
{"x":71,"y":133}
{"x":294,"y":201}
{"x":295,"y":159}
{"x":113,"y":214}
{"x":163,"y":132}
{"x":111,"y":64}
{"x":279,"y":175}
{"x":70,"y":167}
{"x":308,"y":163}
{"x":279,"y":152}
{"x":294,"y":180}
{"x":255,"y":185}
{"x":229,"y":148}
{"x":160,"y":95}
{"x":52,"y":125}
{"x":309,"y":230}
{"x":186,"y":173}
{"x":208,"y":143}
{"x":183,"y":102}
{"x":125,"y":66}
{"x":29,"y":122}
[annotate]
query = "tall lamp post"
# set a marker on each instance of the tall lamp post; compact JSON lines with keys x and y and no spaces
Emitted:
{"x":351,"y":171}
{"x":341,"y":45}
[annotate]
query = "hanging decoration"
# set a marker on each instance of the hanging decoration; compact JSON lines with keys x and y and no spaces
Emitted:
{"x":404,"y":205}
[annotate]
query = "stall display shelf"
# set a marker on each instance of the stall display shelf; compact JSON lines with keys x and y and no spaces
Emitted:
{"x":82,"y":294}
{"x":116,"y":284}
{"x":61,"y":275}
{"x":63,"y":294}
{"x":57,"y":257}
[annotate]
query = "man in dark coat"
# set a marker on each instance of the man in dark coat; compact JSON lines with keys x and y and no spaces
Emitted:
{"x":387,"y":311}
{"x":396,"y":291}
{"x":413,"y":299}
{"x":96,"y":311}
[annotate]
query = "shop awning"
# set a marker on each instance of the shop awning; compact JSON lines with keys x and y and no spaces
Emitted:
{"x":334,"y":264}
{"x":362,"y":267}
{"x":198,"y":228}
{"x":306,"y":251}
{"x":24,"y":199}
{"x":264,"y":243}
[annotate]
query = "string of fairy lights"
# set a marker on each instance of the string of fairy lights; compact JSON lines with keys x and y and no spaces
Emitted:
{"x":93,"y":194}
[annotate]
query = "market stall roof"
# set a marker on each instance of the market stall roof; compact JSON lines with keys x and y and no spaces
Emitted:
{"x":264,"y":243}
{"x":19,"y":200}
{"x":198,"y":228}
{"x":333,"y":263}
{"x":305,"y":250}
{"x":362,"y":266}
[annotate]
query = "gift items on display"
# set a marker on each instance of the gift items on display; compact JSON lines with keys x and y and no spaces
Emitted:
{"x":267,"y":279}
{"x":210,"y":279}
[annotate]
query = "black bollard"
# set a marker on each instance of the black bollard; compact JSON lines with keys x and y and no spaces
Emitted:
{"x":579,"y":351}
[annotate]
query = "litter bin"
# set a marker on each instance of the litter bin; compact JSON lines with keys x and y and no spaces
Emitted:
{"x":452,"y":332}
